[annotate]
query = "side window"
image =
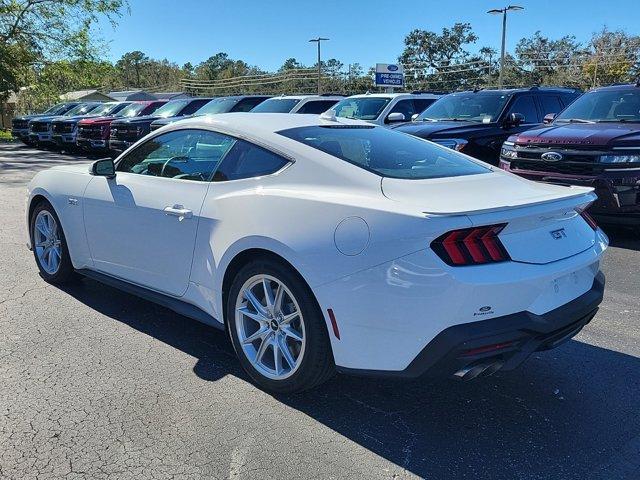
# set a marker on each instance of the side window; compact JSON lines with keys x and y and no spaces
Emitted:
{"x":568,"y":99}
{"x":422,"y":103}
{"x":317,"y":106}
{"x":550,"y":104}
{"x":193,"y":106}
{"x":246,"y":160}
{"x":247,"y":104}
{"x":181,"y":154}
{"x":527,"y":107}
{"x":404,"y":107}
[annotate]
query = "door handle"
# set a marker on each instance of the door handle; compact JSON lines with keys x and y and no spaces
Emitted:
{"x":178,"y":211}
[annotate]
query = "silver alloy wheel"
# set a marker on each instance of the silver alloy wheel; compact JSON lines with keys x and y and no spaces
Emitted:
{"x":46,"y":241}
{"x":270,"y":327}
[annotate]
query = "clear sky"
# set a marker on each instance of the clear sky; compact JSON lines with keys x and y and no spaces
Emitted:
{"x":267,"y":32}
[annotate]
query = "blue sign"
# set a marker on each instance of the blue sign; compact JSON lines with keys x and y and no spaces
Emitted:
{"x":389,"y":75}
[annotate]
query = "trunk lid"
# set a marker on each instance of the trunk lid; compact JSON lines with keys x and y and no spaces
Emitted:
{"x":543,"y":225}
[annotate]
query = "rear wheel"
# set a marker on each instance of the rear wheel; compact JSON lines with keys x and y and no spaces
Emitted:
{"x":277,"y":329}
{"x":49,"y":245}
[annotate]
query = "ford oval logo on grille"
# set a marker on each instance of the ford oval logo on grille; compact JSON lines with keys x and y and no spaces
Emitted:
{"x":551,"y":156}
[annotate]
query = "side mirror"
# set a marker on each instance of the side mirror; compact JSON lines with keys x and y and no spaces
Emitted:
{"x":395,"y":117}
{"x":549,"y":117}
{"x":103,"y":168}
{"x":414,"y":117}
{"x":514,"y":119}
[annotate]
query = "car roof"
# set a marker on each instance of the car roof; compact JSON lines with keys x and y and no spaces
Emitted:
{"x":309,"y":96}
{"x":618,"y":87}
{"x":510,"y":91}
{"x":394,"y":95}
{"x":261,"y":123}
{"x":240,"y":96}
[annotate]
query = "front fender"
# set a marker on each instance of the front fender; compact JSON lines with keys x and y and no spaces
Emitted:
{"x":64,"y":190}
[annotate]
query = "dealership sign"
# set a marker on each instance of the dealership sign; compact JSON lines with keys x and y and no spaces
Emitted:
{"x":389,"y":75}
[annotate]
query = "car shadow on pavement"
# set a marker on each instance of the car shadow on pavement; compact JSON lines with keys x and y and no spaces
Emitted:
{"x":573,"y":412}
{"x":623,"y":237}
{"x":19,"y":159}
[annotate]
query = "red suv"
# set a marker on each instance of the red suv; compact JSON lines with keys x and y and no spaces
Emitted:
{"x":595,"y":141}
{"x":93,"y":133}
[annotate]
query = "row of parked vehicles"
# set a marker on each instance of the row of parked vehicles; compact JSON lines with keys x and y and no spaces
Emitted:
{"x":551,"y":134}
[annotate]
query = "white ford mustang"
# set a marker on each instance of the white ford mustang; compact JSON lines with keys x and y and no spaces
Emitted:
{"x":324,"y":244}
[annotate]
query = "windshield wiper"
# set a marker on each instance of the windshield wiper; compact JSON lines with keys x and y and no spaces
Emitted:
{"x":575,"y":120}
{"x":616,"y":120}
{"x":452,"y":120}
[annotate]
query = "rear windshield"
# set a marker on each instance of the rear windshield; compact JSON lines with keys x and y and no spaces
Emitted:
{"x":172,"y":108}
{"x":604,"y":106}
{"x":131,"y":110}
{"x":361,"y":108}
{"x":82,"y":109}
{"x":218,"y":105}
{"x":386,"y":152}
{"x":472,"y":107}
{"x":276,"y":105}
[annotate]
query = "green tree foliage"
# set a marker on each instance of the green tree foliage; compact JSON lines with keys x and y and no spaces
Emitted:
{"x":613,"y":57}
{"x":35,"y":31}
{"x":290,"y":64}
{"x":136,"y":70}
{"x":54,"y":78}
{"x":440,"y":60}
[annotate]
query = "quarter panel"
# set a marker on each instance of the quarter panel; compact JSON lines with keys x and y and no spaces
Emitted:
{"x":298,"y":222}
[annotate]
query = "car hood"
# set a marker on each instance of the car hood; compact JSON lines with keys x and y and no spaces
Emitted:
{"x":92,"y":120}
{"x":73,"y":119}
{"x":134,"y":120}
{"x":49,"y":118}
{"x":442,"y":129}
{"x":583,"y":134}
{"x":30,"y":117}
{"x":168,"y":120}
{"x":74,"y":168}
{"x":472,"y":194}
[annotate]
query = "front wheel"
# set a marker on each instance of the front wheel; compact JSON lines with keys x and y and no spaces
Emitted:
{"x":49,"y":245}
{"x":277,"y":329}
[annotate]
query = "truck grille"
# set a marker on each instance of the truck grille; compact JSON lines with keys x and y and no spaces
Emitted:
{"x":62,"y":127}
{"x":576,"y":162}
{"x":575,"y":168}
{"x":94,"y":133}
{"x":39,"y":127}
{"x":124,"y":133}
{"x":20,"y":124}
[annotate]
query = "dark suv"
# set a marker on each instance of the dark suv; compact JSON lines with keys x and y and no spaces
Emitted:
{"x":478,"y":122}
{"x":20,"y":125}
{"x":594,"y":142}
{"x":127,"y":131}
{"x":65,"y":130}
{"x":235,"y":103}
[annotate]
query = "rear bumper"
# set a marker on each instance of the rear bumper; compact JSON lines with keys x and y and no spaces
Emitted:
{"x":618,"y":191}
{"x":500,"y":343}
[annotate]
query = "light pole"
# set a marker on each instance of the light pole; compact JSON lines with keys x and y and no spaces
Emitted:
{"x":503,"y":12}
{"x":318,"y":41}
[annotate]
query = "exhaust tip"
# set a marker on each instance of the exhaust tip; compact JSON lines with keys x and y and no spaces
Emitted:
{"x":472,"y":371}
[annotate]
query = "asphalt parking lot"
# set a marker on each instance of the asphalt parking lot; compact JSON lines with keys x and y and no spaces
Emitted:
{"x":95,"y":383}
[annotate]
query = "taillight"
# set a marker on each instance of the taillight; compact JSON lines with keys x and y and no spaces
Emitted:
{"x":588,"y":218}
{"x":471,"y":246}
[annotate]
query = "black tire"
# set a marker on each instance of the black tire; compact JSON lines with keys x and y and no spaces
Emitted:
{"x":317,"y":364}
{"x":65,"y":271}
